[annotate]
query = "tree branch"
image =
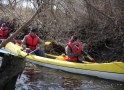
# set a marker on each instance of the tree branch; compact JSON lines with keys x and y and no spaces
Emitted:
{"x":100,"y":12}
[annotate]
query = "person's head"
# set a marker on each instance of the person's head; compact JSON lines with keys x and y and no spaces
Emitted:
{"x":4,"y":26}
{"x":74,"y":39}
{"x":33,"y":32}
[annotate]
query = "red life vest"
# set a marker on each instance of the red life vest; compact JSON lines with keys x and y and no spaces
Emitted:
{"x":19,"y":42}
{"x":31,"y":42}
{"x":74,"y":49}
{"x":3,"y":34}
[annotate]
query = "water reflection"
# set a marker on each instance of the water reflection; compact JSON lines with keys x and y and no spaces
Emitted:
{"x":71,"y":82}
{"x":41,"y":78}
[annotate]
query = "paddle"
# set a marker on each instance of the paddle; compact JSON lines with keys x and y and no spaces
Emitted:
{"x":63,"y":57}
{"x":47,"y":42}
{"x":88,"y":56}
{"x":31,"y":52}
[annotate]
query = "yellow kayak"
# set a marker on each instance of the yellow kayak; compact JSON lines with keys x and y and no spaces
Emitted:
{"x":112,"y":71}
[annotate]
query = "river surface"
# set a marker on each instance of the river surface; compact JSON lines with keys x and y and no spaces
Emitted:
{"x":41,"y":78}
{"x":36,"y":77}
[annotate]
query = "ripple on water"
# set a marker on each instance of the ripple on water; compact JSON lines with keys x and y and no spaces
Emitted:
{"x":51,"y":79}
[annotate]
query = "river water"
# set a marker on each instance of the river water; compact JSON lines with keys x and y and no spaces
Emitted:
{"x":36,"y":77}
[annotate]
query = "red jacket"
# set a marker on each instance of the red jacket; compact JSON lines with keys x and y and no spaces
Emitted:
{"x":3,"y":34}
{"x":31,"y":42}
{"x":74,"y":49}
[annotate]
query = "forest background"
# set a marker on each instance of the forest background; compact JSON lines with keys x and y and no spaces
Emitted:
{"x":99,"y":24}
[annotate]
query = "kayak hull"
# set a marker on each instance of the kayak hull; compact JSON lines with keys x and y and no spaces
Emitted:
{"x":100,"y":74}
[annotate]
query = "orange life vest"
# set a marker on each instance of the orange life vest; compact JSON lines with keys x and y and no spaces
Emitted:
{"x":74,"y":49}
{"x":3,"y":34}
{"x":31,"y":42}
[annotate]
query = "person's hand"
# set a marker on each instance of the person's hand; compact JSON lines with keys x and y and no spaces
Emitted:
{"x":24,"y":50}
{"x":38,"y":48}
{"x":27,"y":49}
{"x":93,"y":60}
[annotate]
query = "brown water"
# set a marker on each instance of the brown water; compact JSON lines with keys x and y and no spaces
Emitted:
{"x":41,"y":78}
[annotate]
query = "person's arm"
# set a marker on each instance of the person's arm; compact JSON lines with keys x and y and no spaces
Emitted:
{"x":69,"y":53}
{"x":24,"y":43}
{"x":41,"y":43}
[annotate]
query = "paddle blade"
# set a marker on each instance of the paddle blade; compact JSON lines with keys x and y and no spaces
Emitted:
{"x":47,"y":43}
{"x":93,"y":60}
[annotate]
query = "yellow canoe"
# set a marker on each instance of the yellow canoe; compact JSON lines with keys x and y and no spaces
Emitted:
{"x":112,"y":71}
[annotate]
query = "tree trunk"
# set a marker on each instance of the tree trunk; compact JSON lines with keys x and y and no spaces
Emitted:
{"x":10,"y":70}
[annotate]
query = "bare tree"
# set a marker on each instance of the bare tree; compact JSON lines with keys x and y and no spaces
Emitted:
{"x":98,"y":23}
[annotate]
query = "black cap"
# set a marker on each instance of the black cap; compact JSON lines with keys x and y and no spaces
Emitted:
{"x":33,"y":30}
{"x":73,"y":38}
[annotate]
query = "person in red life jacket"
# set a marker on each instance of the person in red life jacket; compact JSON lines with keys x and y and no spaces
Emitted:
{"x":4,"y":31}
{"x":32,"y":42}
{"x":4,"y":34}
{"x":74,"y":51}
